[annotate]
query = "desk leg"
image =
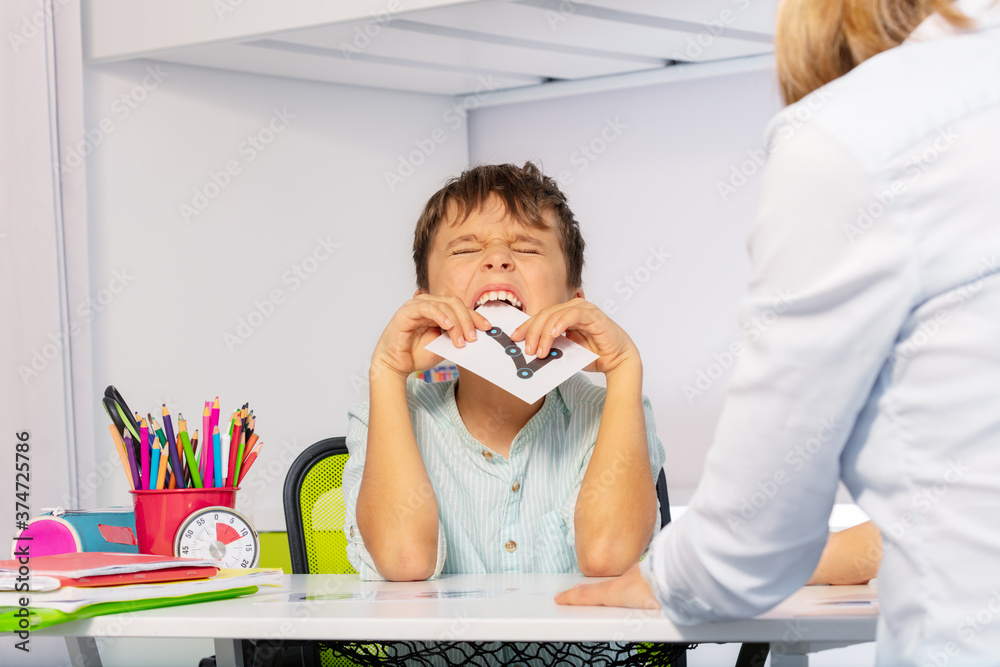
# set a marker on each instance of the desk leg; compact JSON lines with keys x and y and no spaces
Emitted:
{"x":83,"y":652}
{"x":797,"y":654}
{"x":229,"y":653}
{"x":789,"y":655}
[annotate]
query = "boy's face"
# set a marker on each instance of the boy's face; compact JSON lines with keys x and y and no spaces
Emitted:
{"x":492,"y":253}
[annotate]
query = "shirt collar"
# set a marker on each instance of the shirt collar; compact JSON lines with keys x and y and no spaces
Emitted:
{"x":985,"y":13}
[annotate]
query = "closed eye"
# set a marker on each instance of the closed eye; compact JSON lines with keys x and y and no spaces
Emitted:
{"x":528,"y":251}
{"x":463,"y":251}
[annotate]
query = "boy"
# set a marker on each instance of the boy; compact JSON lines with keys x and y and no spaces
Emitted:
{"x":462,"y":476}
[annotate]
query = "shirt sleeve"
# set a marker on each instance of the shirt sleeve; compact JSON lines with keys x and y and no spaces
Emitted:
{"x":824,"y":308}
{"x":357,"y":554}
{"x":656,"y":461}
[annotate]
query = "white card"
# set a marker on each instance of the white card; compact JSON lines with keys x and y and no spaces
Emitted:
{"x":504,"y":363}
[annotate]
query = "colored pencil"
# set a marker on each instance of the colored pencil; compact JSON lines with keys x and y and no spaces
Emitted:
{"x":153,"y":470}
{"x":251,"y":457}
{"x":175,"y":454}
{"x":234,"y":452}
{"x":189,"y":452}
{"x":144,"y":453}
{"x":212,"y":424}
{"x":122,"y":454}
{"x":223,"y":457}
{"x":239,"y":457}
{"x":130,"y":450}
{"x":251,"y":441}
{"x":154,"y":426}
{"x":207,"y":469}
{"x":251,"y":423}
{"x":195,"y":445}
{"x":161,"y":474}
{"x":154,"y":467}
{"x":217,"y":456}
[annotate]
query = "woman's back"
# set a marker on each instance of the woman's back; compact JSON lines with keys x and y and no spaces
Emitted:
{"x":910,"y":144}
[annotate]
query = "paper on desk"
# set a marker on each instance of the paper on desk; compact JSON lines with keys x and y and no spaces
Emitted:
{"x":399,"y":596}
{"x":504,"y":363}
{"x":444,"y":594}
{"x":321,"y":597}
{"x":860,"y":601}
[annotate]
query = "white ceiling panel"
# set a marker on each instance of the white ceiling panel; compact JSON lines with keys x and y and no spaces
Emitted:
{"x":264,"y":58}
{"x":645,"y":36}
{"x":448,"y":47}
{"x":755,"y":16}
{"x":470,"y":49}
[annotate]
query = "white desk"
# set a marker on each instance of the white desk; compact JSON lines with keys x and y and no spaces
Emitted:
{"x":526,"y":614}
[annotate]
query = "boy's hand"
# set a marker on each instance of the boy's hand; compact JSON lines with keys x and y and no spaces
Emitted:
{"x":585,"y":324}
{"x":628,"y":590}
{"x":419,"y":321}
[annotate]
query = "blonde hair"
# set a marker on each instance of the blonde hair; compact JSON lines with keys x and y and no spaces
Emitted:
{"x":817,"y":41}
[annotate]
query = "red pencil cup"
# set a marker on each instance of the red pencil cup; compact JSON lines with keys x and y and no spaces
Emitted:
{"x":159,"y":513}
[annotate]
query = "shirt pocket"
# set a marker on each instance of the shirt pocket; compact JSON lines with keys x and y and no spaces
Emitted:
{"x":552,"y":547}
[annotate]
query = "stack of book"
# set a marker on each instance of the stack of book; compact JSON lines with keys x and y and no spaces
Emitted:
{"x":66,"y":587}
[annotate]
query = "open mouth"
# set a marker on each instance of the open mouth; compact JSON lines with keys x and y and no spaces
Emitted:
{"x":504,"y":296}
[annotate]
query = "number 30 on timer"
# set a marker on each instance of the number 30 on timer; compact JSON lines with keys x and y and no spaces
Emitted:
{"x":220,"y":533}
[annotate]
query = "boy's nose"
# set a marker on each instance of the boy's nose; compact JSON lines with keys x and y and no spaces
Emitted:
{"x":499,"y":258}
{"x":502,"y":265}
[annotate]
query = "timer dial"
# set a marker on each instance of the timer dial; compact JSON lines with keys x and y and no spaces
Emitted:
{"x":221,"y":533}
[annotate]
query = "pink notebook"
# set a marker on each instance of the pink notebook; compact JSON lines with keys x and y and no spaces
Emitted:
{"x":100,"y":563}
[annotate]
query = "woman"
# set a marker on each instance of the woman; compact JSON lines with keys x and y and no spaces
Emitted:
{"x":879,"y":212}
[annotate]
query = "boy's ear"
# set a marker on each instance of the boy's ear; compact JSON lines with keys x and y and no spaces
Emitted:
{"x":578,"y":293}
{"x":418,"y":292}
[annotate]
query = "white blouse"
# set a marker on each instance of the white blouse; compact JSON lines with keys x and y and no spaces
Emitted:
{"x":880,"y":218}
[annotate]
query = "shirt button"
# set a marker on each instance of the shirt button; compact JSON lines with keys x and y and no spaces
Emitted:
{"x":352,"y":531}
{"x":487,"y":454}
{"x":517,"y":485}
{"x":510,"y":546}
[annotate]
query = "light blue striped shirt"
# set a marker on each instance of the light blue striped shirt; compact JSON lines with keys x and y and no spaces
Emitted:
{"x":496,"y":514}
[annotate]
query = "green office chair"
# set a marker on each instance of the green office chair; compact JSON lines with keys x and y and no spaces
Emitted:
{"x":314,"y":510}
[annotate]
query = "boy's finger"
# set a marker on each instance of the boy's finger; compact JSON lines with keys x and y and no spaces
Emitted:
{"x":583,"y":594}
{"x":441,"y":314}
{"x":554,"y":326}
{"x":481,"y":322}
{"x":437,"y":314}
{"x":465,"y":329}
{"x":464,"y":317}
{"x":529,"y":332}
{"x":471,"y":321}
{"x":520,"y":333}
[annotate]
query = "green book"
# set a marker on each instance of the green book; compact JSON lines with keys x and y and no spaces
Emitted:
{"x":42,"y":617}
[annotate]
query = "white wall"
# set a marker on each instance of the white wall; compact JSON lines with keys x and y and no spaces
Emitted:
{"x":641,"y":169}
{"x":176,"y":288}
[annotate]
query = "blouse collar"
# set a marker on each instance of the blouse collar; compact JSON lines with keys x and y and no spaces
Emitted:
{"x":985,"y":14}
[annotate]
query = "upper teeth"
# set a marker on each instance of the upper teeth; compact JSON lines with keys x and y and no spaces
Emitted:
{"x":500,"y":295}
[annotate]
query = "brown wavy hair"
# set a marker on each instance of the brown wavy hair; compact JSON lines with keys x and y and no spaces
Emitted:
{"x":526,"y":193}
{"x":817,"y":41}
